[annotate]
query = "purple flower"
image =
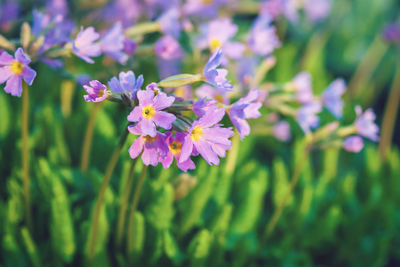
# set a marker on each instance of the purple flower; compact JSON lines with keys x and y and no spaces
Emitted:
{"x":331,"y":97}
{"x":168,"y":48}
{"x":245,"y":108}
{"x":391,"y":33}
{"x":13,"y":70}
{"x":215,"y":76}
{"x":365,"y":124}
{"x":273,"y":8}
{"x":201,"y":106}
{"x":57,"y":7}
{"x":281,"y":131}
{"x":245,"y":70}
{"x":97,"y":92}
{"x":175,"y":144}
{"x":218,"y":33}
{"x":317,"y":10}
{"x":154,"y":148}
{"x":129,"y":46}
{"x":307,"y":116}
{"x":126,"y":11}
{"x":353,"y":144}
{"x":40,"y":22}
{"x":84,"y":46}
{"x":218,"y":94}
{"x":148,"y":114}
{"x":302,"y":85}
{"x":202,"y":8}
{"x":207,"y":138}
{"x":169,"y":23}
{"x":127,"y":84}
{"x":112,"y":43}
{"x":263,"y":40}
{"x":8,"y":14}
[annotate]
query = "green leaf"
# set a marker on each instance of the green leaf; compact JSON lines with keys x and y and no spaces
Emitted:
{"x":180,"y":80}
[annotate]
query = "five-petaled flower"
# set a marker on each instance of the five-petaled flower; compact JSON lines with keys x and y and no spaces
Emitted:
{"x":84,"y":46}
{"x":97,"y":91}
{"x":214,"y":75}
{"x":13,"y":70}
{"x":175,"y":144}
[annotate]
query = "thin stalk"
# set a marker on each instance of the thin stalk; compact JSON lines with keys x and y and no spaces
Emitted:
{"x":278,"y":212}
{"x":25,"y":155}
{"x":390,"y":115}
{"x":133,"y":209}
{"x":100,"y":198}
{"x":87,"y":143}
{"x":124,"y":202}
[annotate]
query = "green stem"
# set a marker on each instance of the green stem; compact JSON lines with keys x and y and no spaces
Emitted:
{"x":390,"y":115}
{"x":25,"y":155}
{"x":133,"y":209}
{"x":100,"y":198}
{"x":87,"y":143}
{"x":124,"y":202}
{"x":143,"y":28}
{"x":278,"y":212}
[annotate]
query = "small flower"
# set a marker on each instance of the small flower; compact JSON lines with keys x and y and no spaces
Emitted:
{"x":391,"y":33}
{"x":215,"y":76}
{"x":218,"y":94}
{"x":201,"y":106}
{"x":154,"y":148}
{"x":307,"y":116}
{"x":245,"y":108}
{"x":127,"y":84}
{"x":331,"y":97}
{"x":353,"y":144}
{"x":263,"y":40}
{"x":149,"y":112}
{"x":218,"y":33}
{"x":281,"y":131}
{"x":175,"y":144}
{"x":202,"y":8}
{"x":169,"y":23}
{"x":302,"y":85}
{"x":317,"y":10}
{"x":13,"y":70}
{"x":9,"y":11}
{"x":84,"y":46}
{"x":168,"y":48}
{"x":207,"y":138}
{"x":365,"y":124}
{"x":97,"y":92}
{"x":112,"y":43}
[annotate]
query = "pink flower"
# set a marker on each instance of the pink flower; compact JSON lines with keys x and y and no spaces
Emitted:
{"x":353,"y":144}
{"x":175,"y":144}
{"x":97,"y":91}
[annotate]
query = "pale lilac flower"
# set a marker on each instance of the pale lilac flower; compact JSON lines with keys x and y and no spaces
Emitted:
{"x":218,"y":94}
{"x":307,"y":116}
{"x":57,"y":7}
{"x":245,"y":108}
{"x":112,"y":43}
{"x":263,"y":39}
{"x":214,"y":75}
{"x":97,"y":92}
{"x":127,"y":84}
{"x":331,"y":97}
{"x":168,"y":48}
{"x":126,"y":11}
{"x":9,"y":11}
{"x":391,"y":33}
{"x":175,"y":144}
{"x":154,"y":148}
{"x":202,"y":8}
{"x":365,"y":124}
{"x":149,"y":115}
{"x":84,"y":46}
{"x":207,"y":138}
{"x":302,"y":86}
{"x":129,"y":46}
{"x":13,"y":70}
{"x":203,"y":105}
{"x":353,"y":144}
{"x":218,"y":33}
{"x":281,"y":131}
{"x":317,"y":10}
{"x":169,"y":23}
{"x":40,"y":21}
{"x":273,"y":8}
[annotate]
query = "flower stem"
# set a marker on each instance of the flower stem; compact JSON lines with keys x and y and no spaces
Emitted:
{"x":389,"y":117}
{"x":25,"y":155}
{"x":87,"y":143}
{"x":124,"y":202}
{"x":100,"y":198}
{"x":133,"y":209}
{"x":278,"y":212}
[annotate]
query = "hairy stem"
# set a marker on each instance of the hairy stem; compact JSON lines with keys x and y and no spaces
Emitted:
{"x":135,"y":203}
{"x":390,"y":115}
{"x":100,"y":197}
{"x":87,"y":143}
{"x":124,"y":202}
{"x":25,"y":155}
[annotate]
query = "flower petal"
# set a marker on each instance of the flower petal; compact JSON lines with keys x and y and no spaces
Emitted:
{"x":14,"y":86}
{"x":28,"y":74}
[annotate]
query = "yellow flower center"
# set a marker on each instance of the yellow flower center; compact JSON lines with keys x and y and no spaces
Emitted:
{"x":219,"y":98}
{"x":175,"y":147}
{"x":16,"y":67}
{"x":215,"y":43}
{"x":179,"y":92}
{"x":150,"y":139}
{"x":197,"y":133}
{"x":101,"y":93}
{"x":148,"y":112}
{"x":207,"y":2}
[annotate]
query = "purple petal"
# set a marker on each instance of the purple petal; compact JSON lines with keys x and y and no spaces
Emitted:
{"x":136,"y":148}
{"x":6,"y":58}
{"x":164,"y":119}
{"x":21,"y":57}
{"x":187,"y":149}
{"x":207,"y":153}
{"x":148,"y":128}
{"x":145,"y":97}
{"x":135,"y":115}
{"x":14,"y":86}
{"x":28,"y":74}
{"x":212,"y":117}
{"x":5,"y":74}
{"x":162,"y":101}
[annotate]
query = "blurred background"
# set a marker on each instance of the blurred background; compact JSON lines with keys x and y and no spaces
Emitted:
{"x":344,"y":210}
